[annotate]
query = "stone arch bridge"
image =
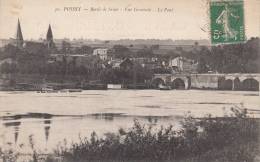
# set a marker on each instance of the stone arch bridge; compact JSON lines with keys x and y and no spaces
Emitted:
{"x":232,"y":81}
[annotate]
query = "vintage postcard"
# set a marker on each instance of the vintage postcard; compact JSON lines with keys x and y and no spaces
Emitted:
{"x":129,"y":81}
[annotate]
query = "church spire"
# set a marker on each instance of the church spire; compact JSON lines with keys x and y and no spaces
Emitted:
{"x":19,"y":35}
{"x":49,"y":37}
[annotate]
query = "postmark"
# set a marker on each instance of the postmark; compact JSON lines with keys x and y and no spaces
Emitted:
{"x":227,"y":21}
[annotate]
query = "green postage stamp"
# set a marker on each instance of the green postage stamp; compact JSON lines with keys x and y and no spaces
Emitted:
{"x":227,"y":21}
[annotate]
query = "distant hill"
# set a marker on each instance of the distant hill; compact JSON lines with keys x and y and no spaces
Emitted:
{"x":125,"y":42}
{"x":128,"y":42}
{"x":204,"y":42}
{"x":155,"y":41}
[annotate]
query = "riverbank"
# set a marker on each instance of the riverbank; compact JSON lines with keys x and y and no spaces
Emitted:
{"x":227,"y":139}
{"x":35,"y":82}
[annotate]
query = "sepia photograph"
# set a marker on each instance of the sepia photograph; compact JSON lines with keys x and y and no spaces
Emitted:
{"x":129,"y":81}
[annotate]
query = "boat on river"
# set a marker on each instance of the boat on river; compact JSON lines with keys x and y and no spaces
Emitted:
{"x":114,"y":86}
{"x":70,"y":90}
{"x":164,"y":87}
{"x":47,"y":89}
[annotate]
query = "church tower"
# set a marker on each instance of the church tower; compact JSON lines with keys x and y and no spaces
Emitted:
{"x":19,"y":36}
{"x":49,"y":38}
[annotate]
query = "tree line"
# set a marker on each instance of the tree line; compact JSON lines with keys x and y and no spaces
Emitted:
{"x":34,"y":57}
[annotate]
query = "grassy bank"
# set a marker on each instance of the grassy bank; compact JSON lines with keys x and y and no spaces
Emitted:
{"x":228,"y":139}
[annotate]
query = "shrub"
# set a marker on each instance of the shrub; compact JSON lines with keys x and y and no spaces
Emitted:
{"x":230,"y":139}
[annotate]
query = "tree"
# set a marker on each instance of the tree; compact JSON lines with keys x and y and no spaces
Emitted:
{"x":236,"y":58}
{"x":86,"y":49}
{"x":65,"y":47}
{"x":109,"y":76}
{"x":33,"y":58}
{"x":121,"y":51}
{"x":10,"y":51}
{"x":7,"y":68}
{"x":202,"y":66}
{"x":155,"y":47}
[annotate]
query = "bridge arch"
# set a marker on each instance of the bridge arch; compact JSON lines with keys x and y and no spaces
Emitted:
{"x":225,"y":84}
{"x":178,"y":83}
{"x":228,"y":84}
{"x":250,"y":84}
{"x":221,"y":82}
{"x":156,"y":82}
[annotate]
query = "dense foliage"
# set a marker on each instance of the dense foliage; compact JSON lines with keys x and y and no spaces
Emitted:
{"x":233,"y":58}
{"x":228,"y":139}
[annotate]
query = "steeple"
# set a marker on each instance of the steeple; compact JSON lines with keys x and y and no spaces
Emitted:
{"x":49,"y":37}
{"x":19,"y":36}
{"x":49,"y":34}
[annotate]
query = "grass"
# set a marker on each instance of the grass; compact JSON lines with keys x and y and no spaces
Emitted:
{"x":227,"y":139}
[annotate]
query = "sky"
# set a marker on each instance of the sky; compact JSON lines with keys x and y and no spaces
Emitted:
{"x":177,"y":19}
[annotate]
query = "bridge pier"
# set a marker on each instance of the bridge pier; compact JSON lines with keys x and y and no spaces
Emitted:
{"x":186,"y":84}
{"x":233,"y":85}
{"x":233,"y":81}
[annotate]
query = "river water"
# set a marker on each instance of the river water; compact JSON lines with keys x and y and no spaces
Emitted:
{"x":53,"y":117}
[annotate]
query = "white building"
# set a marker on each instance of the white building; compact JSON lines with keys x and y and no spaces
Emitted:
{"x":101,"y":52}
{"x":182,"y":64}
{"x":177,"y":62}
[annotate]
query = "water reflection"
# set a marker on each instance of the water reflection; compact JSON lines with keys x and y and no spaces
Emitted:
{"x":33,"y":121}
{"x":47,"y":127}
{"x":47,"y":121}
{"x":14,"y":122}
{"x":28,"y":115}
{"x":16,"y":127}
{"x":47,"y":132}
{"x":16,"y":134}
{"x":106,"y":116}
{"x":152,"y":120}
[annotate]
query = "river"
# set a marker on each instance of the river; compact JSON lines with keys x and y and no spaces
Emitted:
{"x":53,"y":117}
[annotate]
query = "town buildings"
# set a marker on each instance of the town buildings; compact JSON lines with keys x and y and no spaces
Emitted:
{"x":105,"y":52}
{"x":93,"y":59}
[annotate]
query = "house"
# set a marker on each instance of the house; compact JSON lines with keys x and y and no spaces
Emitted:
{"x":115,"y":63}
{"x":121,"y":64}
{"x":7,"y":61}
{"x":182,"y":64}
{"x":101,"y":52}
{"x":126,"y":64}
{"x":147,"y":62}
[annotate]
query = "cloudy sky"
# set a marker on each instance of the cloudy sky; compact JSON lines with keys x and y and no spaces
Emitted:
{"x":183,"y":19}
